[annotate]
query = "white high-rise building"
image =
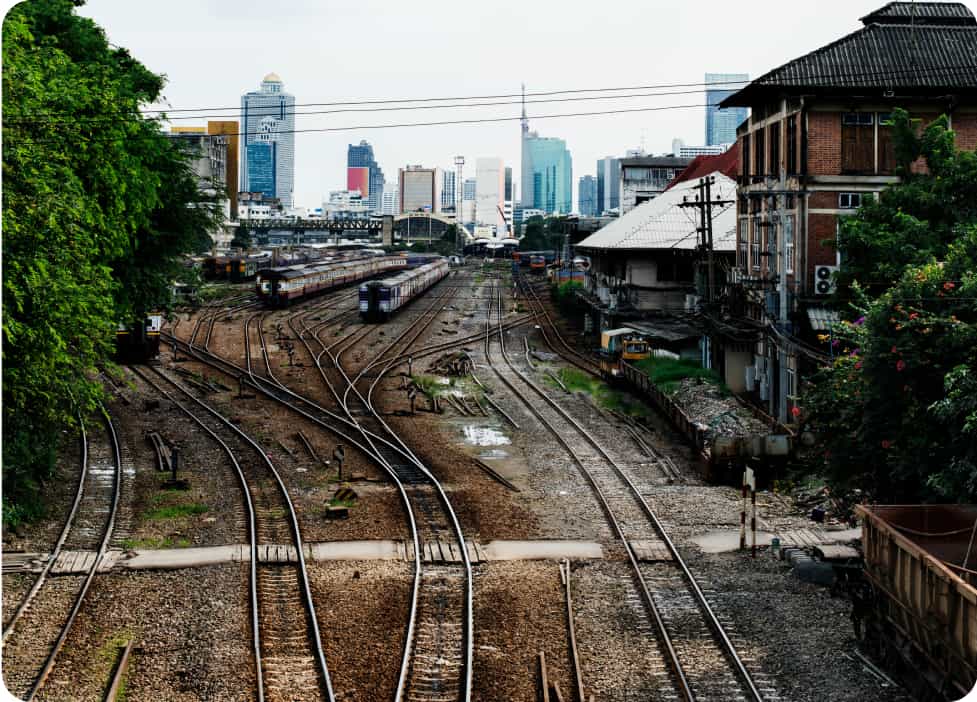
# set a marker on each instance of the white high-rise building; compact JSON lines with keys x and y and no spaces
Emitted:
{"x":489,"y":194}
{"x":268,"y":141}
{"x":448,"y":192}
{"x":391,"y":199}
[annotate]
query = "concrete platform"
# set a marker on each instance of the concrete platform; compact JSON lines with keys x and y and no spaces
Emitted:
{"x":74,"y":562}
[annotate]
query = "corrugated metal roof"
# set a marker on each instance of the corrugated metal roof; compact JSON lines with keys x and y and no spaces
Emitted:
{"x":879,"y":57}
{"x":942,"y":12}
{"x":727,"y":163}
{"x":662,"y":224}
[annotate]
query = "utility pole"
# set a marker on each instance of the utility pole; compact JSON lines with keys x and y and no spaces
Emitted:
{"x":459,"y":201}
{"x":704,"y":203}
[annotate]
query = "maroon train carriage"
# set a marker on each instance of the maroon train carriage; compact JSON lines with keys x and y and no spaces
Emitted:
{"x":280,"y":287}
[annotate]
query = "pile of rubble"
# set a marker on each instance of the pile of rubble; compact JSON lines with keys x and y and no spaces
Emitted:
{"x":456,"y":364}
{"x":706,"y":404}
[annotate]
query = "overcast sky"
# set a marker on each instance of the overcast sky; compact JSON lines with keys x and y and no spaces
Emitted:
{"x":212,"y":51}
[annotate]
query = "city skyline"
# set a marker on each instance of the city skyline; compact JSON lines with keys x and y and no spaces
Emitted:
{"x":385,"y":72}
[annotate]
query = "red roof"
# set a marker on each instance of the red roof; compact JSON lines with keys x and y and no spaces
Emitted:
{"x":727,"y":163}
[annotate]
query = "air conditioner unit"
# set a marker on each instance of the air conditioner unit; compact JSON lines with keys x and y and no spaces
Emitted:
{"x":764,"y":391}
{"x":750,"y":377}
{"x":824,"y":283}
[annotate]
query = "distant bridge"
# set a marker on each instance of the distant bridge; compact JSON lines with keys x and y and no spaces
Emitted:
{"x":409,"y":225}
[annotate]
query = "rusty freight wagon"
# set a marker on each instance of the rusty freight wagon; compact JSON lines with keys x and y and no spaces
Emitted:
{"x":919,"y":611}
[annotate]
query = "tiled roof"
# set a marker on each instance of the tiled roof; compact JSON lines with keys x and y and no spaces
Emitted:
{"x":880,"y":57}
{"x":661,"y":224}
{"x":727,"y":163}
{"x":922,"y":13}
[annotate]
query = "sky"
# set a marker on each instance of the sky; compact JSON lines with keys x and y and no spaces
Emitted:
{"x":213,"y":51}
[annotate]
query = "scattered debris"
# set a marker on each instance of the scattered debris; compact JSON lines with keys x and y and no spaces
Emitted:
{"x":719,"y":414}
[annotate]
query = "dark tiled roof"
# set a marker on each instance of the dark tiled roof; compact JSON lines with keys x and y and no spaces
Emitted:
{"x":878,"y":58}
{"x":658,"y":161}
{"x":921,"y":13}
{"x":726,"y":163}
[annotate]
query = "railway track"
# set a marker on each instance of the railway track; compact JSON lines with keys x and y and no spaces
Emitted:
{"x":702,"y":662}
{"x":553,"y":338}
{"x":437,"y":657}
{"x":437,"y":660}
{"x":289,"y":660}
{"x":36,"y":633}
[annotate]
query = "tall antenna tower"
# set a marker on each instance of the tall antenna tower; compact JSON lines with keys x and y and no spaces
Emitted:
{"x":525,"y":120}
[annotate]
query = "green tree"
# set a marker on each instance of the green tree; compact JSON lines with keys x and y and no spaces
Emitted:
{"x":896,"y":413}
{"x":97,"y":206}
{"x":915,"y":220}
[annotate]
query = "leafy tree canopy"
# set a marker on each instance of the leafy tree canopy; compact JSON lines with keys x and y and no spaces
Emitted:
{"x":917,"y":219}
{"x":97,"y":206}
{"x":896,"y":413}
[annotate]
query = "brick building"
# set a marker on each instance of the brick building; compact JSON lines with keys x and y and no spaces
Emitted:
{"x":816,"y":143}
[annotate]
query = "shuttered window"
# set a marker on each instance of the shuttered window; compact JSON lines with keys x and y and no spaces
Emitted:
{"x":887,"y":150}
{"x":858,"y":142}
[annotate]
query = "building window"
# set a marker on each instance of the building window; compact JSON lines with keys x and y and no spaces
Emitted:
{"x":849,"y":201}
{"x":743,"y":243}
{"x":792,"y":145}
{"x":774,"y":129}
{"x":858,"y":142}
{"x":887,"y":150}
{"x":789,"y":244}
{"x":745,"y":155}
{"x":759,"y":152}
{"x":755,"y":243}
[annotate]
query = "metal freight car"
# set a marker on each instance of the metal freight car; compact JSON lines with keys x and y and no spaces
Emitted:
{"x":919,"y":610}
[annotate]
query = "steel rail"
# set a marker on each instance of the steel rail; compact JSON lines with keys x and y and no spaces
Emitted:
{"x":711,"y":618}
{"x":467,"y":623}
{"x":61,"y":538}
{"x":293,"y":523}
{"x":252,"y":527}
{"x":575,"y":357}
{"x":103,"y":547}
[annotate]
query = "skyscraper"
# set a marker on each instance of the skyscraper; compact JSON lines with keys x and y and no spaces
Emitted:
{"x":468,"y":189}
{"x":608,"y":184}
{"x":489,"y":193}
{"x":229,"y":129}
{"x":363,"y":174}
{"x":448,"y":192}
{"x":420,"y":189}
{"x":587,"y":196}
{"x":391,"y":199}
{"x":721,"y":124}
{"x":268,"y":141}
{"x":547,"y":171}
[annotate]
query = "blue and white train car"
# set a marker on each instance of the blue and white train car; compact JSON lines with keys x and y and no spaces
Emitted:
{"x":380,"y":299}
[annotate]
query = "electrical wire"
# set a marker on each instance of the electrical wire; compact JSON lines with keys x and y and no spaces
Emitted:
{"x":703,"y":86}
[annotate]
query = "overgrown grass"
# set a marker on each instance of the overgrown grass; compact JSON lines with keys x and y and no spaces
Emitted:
{"x":666,"y":373}
{"x":605,"y":396}
{"x":155,"y":543}
{"x":176,"y":511}
{"x":430,"y":385}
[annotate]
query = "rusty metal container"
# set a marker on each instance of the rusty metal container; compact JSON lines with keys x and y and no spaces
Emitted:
{"x":921,"y":569}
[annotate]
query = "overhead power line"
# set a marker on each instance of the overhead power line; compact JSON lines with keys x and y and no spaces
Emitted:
{"x":841,"y":77}
{"x":364,"y":127}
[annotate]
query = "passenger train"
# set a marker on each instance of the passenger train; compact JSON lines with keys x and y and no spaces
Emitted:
{"x":280,"y":287}
{"x":379,"y":299}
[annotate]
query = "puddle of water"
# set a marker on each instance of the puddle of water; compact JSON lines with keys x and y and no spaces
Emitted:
{"x":493,"y":455}
{"x":485,"y":436}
